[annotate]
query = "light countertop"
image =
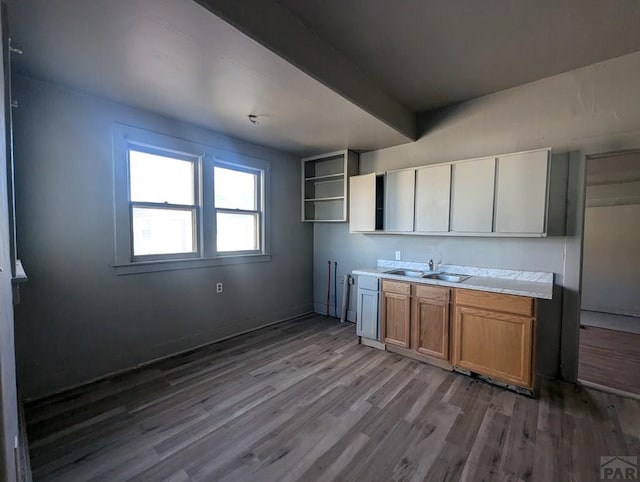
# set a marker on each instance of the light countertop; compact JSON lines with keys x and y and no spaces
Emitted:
{"x":521,"y":283}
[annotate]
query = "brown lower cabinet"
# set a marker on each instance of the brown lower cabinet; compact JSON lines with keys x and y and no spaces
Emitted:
{"x":430,"y":321}
{"x":493,"y":335}
{"x":416,"y":317}
{"x":395,"y":313}
{"x":486,"y":333}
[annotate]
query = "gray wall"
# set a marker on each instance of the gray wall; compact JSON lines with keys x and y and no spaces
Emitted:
{"x":77,"y":319}
{"x":8,"y":397}
{"x":611,"y":271}
{"x":581,"y":112}
{"x":611,"y":267}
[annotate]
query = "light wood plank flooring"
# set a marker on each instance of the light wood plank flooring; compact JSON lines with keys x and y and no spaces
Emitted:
{"x":610,"y":358}
{"x":303,"y":401}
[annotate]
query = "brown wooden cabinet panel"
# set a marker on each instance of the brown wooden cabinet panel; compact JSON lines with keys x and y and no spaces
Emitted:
{"x":430,"y":327}
{"x":499,"y":345}
{"x":520,"y":305}
{"x":430,"y":321}
{"x":395,"y":315}
{"x":399,"y":287}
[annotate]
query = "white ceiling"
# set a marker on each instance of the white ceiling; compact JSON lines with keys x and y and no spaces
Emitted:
{"x":432,"y":53}
{"x":175,"y":58}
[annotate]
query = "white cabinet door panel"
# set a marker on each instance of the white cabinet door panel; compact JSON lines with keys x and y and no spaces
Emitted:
{"x":362,"y":203}
{"x":433,"y":194}
{"x":367,"y":315}
{"x":472,"y":196}
{"x":521,"y":192}
{"x":399,"y":201}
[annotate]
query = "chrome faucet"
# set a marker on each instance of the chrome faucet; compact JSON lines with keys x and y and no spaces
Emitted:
{"x":430,"y":265}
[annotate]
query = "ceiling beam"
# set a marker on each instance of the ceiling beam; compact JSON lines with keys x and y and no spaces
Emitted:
{"x":273,"y":26}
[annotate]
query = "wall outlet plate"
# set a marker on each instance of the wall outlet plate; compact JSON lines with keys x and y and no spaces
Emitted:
{"x":398,"y":256}
{"x":218,"y":287}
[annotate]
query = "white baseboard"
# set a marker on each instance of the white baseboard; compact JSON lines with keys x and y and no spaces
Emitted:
{"x":373,"y":343}
{"x":613,"y":391}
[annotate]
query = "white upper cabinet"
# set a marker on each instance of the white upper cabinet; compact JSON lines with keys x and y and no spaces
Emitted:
{"x":399,"y":201}
{"x":366,"y":203}
{"x":472,"y":196}
{"x":521,"y":192}
{"x":512,"y":195}
{"x":433,"y":193}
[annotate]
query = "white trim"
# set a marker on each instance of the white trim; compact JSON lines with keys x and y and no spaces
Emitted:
{"x":205,"y":158}
{"x":342,"y":152}
{"x":455,"y":233}
{"x":605,"y":389}
{"x":373,"y":343}
{"x":140,"y":267}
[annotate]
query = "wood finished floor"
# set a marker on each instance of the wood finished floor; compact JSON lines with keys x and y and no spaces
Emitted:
{"x":610,"y":358}
{"x":303,"y":401}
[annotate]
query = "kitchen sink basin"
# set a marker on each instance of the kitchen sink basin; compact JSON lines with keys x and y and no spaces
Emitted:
{"x":413,"y":273}
{"x":451,"y":277}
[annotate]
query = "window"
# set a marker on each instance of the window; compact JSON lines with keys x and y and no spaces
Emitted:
{"x":237,"y":203}
{"x":162,"y":195}
{"x":180,"y":204}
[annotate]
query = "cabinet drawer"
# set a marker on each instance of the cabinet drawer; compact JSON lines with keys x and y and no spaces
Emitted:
{"x":368,"y":282}
{"x":431,"y":292}
{"x":520,"y":305}
{"x":396,"y":287}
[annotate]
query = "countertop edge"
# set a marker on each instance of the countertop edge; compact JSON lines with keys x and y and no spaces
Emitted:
{"x":545,"y":292}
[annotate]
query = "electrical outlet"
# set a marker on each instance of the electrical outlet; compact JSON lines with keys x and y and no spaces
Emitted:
{"x":218,"y":287}
{"x":398,"y":256}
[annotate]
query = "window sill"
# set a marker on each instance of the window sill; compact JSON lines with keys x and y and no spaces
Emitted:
{"x":141,"y":267}
{"x":21,"y":276}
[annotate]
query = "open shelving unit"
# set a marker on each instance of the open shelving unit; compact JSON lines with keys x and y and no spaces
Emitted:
{"x":325,"y":181}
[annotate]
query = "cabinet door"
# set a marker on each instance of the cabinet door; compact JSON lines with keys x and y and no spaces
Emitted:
{"x":430,"y":325}
{"x":472,"y":196}
{"x":362,"y":203}
{"x":367,"y":325}
{"x":395,"y":318}
{"x":399,"y":199}
{"x":521,"y":192}
{"x":433,"y":194}
{"x":498,"y":345}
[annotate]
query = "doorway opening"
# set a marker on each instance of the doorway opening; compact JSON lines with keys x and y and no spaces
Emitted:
{"x":610,"y":309}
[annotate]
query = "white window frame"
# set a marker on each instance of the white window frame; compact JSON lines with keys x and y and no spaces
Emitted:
{"x":259,"y":211}
{"x":196,"y":207}
{"x":205,"y":158}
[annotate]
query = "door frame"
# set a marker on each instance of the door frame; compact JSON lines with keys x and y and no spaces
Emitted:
{"x":574,"y":248}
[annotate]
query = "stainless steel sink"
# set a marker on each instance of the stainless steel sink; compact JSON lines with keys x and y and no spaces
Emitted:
{"x":412,"y":273}
{"x":450,"y":277}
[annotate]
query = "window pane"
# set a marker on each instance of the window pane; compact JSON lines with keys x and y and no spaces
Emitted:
{"x":235,"y":189}
{"x":160,"y":179}
{"x":237,"y":232}
{"x":162,"y":231}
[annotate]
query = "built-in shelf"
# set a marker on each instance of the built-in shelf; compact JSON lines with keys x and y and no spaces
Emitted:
{"x":325,"y":186}
{"x":321,"y":199}
{"x":328,"y":177}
